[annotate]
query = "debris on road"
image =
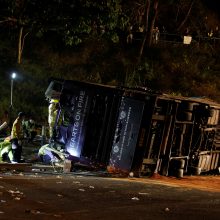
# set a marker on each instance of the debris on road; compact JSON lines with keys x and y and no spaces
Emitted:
{"x":82,"y":190}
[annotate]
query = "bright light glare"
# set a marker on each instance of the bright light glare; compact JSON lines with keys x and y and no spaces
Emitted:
{"x":72,"y":150}
{"x":13,"y":75}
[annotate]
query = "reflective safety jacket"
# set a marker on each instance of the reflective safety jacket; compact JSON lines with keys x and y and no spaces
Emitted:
{"x":17,"y":130}
{"x":52,"y":113}
{"x":47,"y":154}
{"x":29,"y":125}
{"x":5,"y":148}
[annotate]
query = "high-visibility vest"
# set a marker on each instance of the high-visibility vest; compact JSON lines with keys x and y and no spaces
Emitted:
{"x":42,"y":151}
{"x":5,"y":147}
{"x":54,"y":101}
{"x":17,"y":131}
{"x":52,"y":113}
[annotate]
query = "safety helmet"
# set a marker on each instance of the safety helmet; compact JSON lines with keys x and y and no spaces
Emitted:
{"x":31,"y":121}
{"x":54,"y":101}
{"x":21,"y":114}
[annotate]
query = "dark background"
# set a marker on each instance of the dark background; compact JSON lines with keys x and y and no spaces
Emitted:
{"x":87,"y":41}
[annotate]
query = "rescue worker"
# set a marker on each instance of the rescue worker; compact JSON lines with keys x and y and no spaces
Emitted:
{"x":48,"y":154}
{"x":16,"y":137}
{"x":29,"y":127}
{"x":6,"y":151}
{"x":52,"y":114}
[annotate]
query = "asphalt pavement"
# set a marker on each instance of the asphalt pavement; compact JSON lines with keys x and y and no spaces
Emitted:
{"x":74,"y":196}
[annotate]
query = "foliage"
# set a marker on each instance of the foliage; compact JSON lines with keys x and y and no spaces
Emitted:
{"x":86,"y":40}
{"x":93,"y":19}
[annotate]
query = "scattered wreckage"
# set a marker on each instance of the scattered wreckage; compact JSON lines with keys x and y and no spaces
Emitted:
{"x":133,"y":130}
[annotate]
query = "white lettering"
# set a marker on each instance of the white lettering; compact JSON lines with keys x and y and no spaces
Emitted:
{"x":76,"y":132}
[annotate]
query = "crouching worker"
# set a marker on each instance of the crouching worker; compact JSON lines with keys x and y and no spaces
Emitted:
{"x":49,"y":155}
{"x":16,"y":138}
{"x":6,"y":151}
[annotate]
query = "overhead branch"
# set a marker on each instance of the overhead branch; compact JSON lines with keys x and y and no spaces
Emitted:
{"x":8,"y":20}
{"x":187,"y":15}
{"x":22,"y":45}
{"x":153,"y":22}
{"x":147,"y":10}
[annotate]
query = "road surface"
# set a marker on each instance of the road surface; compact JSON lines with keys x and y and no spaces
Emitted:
{"x":70,"y":196}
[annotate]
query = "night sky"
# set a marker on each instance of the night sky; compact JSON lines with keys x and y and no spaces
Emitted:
{"x":213,"y":4}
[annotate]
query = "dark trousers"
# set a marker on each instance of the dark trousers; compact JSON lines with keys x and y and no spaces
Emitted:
{"x":16,"y":150}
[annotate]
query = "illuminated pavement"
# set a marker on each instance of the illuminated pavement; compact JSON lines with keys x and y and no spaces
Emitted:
{"x":41,"y":196}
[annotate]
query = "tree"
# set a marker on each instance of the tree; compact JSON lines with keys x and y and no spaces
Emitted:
{"x":92,"y":19}
{"x":14,"y":16}
{"x":74,"y":21}
{"x":187,"y":15}
{"x":143,"y":14}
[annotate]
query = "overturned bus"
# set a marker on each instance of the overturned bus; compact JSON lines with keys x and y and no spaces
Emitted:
{"x":127,"y":130}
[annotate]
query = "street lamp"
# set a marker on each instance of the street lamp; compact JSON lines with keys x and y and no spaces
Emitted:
{"x":13,"y":76}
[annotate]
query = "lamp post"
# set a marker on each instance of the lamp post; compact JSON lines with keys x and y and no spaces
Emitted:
{"x":13,"y":76}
